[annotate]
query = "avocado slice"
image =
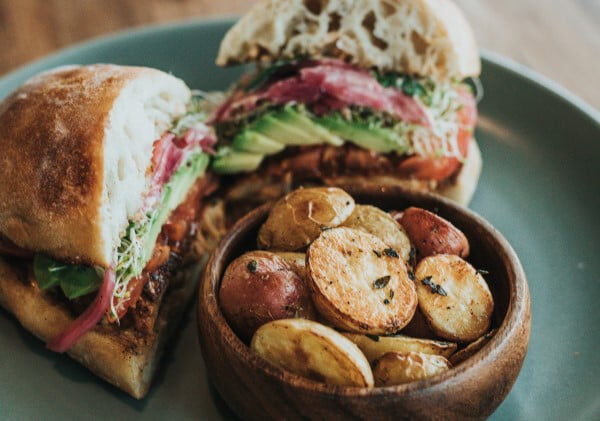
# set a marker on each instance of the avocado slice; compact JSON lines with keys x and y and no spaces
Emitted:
{"x":301,"y":121}
{"x":271,"y":126}
{"x":231,"y":161}
{"x":251,"y":141}
{"x":365,"y":135}
{"x":174,"y":193}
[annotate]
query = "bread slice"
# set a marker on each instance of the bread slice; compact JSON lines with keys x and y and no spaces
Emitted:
{"x":420,"y":37}
{"x":100,"y":122}
{"x":118,"y":354}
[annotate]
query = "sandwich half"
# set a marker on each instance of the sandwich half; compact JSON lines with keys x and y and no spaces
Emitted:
{"x":350,"y":93}
{"x":104,"y":213}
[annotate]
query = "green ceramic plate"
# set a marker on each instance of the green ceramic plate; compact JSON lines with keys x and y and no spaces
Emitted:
{"x":540,"y":186}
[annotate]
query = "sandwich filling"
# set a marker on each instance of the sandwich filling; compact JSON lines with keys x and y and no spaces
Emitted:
{"x":426,"y":124}
{"x":180,"y":158}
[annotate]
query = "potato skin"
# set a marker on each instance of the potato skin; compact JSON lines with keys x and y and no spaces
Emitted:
{"x":381,"y":224}
{"x":251,"y":296}
{"x":299,"y":218}
{"x":396,"y":368}
{"x":314,"y":351}
{"x":431,"y":234}
{"x":375,"y":347}
{"x":472,"y":348}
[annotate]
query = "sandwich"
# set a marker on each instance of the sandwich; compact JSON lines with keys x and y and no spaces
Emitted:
{"x":352,"y":93}
{"x":105,"y":212}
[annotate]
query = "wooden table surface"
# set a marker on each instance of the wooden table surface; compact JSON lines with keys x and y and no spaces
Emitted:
{"x":558,"y":38}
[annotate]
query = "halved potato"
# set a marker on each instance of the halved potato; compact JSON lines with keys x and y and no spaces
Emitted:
{"x":298,"y":218}
{"x":432,"y":234}
{"x":381,"y":224}
{"x":471,"y":349}
{"x":374,"y":346}
{"x":357,"y":289}
{"x":453,"y":297}
{"x":312,"y":350}
{"x":404,"y":367}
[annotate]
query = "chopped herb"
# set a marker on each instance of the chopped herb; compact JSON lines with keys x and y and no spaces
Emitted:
{"x":412,"y":87}
{"x":412,"y":257}
{"x":378,"y":254}
{"x":483,"y":271}
{"x":374,"y":338}
{"x":411,"y":275}
{"x":386,"y":301}
{"x":391,"y":294}
{"x":435,"y":288}
{"x":381,"y":282}
{"x":391,"y":253}
{"x":252,"y":265}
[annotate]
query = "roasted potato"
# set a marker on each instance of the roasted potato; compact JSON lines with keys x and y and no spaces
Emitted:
{"x":453,"y":297}
{"x":355,"y":287}
{"x":471,"y":349}
{"x":404,"y":367}
{"x":298,"y":218}
{"x":418,"y":327}
{"x":374,"y":346}
{"x":312,"y":350}
{"x":258,"y":287}
{"x":296,"y":260}
{"x":431,"y":234}
{"x":379,"y":223}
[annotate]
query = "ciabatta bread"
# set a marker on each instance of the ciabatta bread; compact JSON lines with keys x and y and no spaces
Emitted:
{"x":418,"y":37}
{"x":100,"y":122}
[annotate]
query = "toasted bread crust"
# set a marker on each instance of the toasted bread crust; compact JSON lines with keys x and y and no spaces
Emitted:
{"x":120,"y":359}
{"x":58,"y":116}
{"x":119,"y":355}
{"x":423,"y":37}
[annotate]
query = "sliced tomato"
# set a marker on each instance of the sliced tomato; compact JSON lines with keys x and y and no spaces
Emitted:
{"x":428,"y":168}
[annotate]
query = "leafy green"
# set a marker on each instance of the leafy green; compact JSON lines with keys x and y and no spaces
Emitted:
{"x":74,"y":280}
{"x":411,"y":86}
{"x":266,"y":73}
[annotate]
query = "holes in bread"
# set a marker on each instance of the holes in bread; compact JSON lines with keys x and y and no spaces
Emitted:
{"x":334,"y":22}
{"x":369,"y":24}
{"x":387,"y":9}
{"x":315,"y":6}
{"x":420,"y":44}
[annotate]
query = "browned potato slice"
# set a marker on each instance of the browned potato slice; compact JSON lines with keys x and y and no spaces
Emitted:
{"x":298,"y":218}
{"x":404,"y":367}
{"x":471,"y":349}
{"x":356,"y":289}
{"x":453,"y":297}
{"x":381,"y":224}
{"x":374,"y":346}
{"x":432,"y":234}
{"x":312,"y":350}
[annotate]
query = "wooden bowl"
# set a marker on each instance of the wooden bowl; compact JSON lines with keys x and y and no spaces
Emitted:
{"x":255,"y":389}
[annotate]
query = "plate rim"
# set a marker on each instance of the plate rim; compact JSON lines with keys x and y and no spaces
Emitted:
{"x":508,"y":64}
